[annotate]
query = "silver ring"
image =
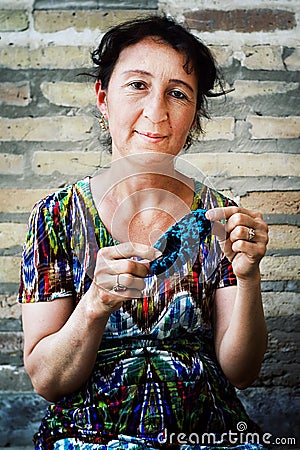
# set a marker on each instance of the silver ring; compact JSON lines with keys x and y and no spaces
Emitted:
{"x":118,"y":286}
{"x":251,"y":234}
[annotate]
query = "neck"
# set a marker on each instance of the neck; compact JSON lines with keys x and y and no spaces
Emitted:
{"x":143,"y":181}
{"x":135,"y":199}
{"x":143,"y":171}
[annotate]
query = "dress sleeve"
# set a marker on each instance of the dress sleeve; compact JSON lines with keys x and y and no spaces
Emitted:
{"x":226,"y":274}
{"x":46,"y":272}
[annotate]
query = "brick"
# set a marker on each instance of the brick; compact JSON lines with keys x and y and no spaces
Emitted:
{"x":51,"y":57}
{"x":58,"y":128}
{"x":27,"y":409}
{"x":245,"y":164}
{"x":21,"y":200}
{"x":241,"y":20}
{"x":274,"y":127}
{"x":15,"y":379}
{"x":68,"y":163}
{"x":13,"y":20}
{"x":94,"y":4}
{"x":11,"y":341}
{"x":10,"y":269}
{"x":284,"y":237}
{"x":292,"y":62}
{"x":281,"y":347}
{"x":66,"y":4}
{"x":279,"y":202}
{"x":17,"y":94}
{"x":218,"y":128}
{"x":9,"y":308}
{"x":263,"y":57}
{"x":223,"y":54}
{"x":280,"y":268}
{"x":281,"y":373}
{"x":12,"y":234}
{"x":249,"y":88}
{"x":62,"y":93}
{"x":11,"y":164}
{"x":52,"y":21}
{"x":273,"y":408}
{"x":278,"y":304}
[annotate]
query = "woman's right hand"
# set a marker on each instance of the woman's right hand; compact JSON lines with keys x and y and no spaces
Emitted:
{"x":125,"y":266}
{"x":61,"y":343}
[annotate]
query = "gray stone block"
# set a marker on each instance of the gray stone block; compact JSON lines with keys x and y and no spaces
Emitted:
{"x":94,"y":4}
{"x":275,"y":410}
{"x":20,"y":418}
{"x":62,"y":4}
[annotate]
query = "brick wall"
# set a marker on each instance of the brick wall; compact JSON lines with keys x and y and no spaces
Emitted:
{"x":49,"y":137}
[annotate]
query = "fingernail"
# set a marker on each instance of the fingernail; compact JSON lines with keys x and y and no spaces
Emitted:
{"x":209,"y":215}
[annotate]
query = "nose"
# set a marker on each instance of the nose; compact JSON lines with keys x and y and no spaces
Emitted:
{"x":155,"y":108}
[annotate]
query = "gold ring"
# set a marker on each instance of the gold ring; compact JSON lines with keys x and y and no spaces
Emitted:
{"x":118,"y":287}
{"x":251,"y":234}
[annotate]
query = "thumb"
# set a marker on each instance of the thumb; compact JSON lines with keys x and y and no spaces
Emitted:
{"x":218,"y":230}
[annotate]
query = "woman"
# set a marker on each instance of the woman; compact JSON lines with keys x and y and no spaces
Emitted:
{"x":150,"y":326}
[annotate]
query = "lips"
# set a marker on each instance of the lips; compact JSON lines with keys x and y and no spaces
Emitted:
{"x":154,"y":137}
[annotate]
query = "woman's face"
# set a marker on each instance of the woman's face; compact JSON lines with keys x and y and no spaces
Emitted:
{"x":150,"y":102}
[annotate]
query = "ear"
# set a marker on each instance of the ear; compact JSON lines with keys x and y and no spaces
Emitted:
{"x":101,"y":97}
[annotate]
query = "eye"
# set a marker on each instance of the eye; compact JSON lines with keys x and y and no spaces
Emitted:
{"x":178,"y":94}
{"x":138,"y":85}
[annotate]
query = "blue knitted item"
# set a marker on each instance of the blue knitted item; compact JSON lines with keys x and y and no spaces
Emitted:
{"x":180,"y":243}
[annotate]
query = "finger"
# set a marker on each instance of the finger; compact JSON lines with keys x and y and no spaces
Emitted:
{"x":108,"y":281}
{"x":112,"y":301}
{"x":131,"y":282}
{"x":129,"y":294}
{"x":129,"y":266}
{"x":219,"y":230}
{"x":224,"y":213}
{"x":240,"y":220}
{"x":253,"y":250}
{"x":117,"y":295}
{"x":129,"y":250}
{"x":120,"y":285}
{"x":242,"y":233}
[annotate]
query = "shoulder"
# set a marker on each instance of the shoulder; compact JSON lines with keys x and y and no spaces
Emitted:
{"x":51,"y":217}
{"x":59,"y":202}
{"x":207,"y":197}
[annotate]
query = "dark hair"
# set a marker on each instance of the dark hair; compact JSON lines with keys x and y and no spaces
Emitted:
{"x":198,"y":56}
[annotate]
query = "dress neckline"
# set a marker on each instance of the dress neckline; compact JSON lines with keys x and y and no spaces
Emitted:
{"x":85,"y":185}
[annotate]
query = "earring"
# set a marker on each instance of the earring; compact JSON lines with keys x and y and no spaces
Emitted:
{"x":103,"y":123}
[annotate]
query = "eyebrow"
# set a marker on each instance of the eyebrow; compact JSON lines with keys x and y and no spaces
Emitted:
{"x":172,"y":80}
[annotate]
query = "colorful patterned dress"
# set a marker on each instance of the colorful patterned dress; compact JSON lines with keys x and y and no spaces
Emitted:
{"x":156,"y":373}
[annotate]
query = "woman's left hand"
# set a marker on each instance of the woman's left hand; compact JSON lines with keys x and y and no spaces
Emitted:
{"x":243,"y":237}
